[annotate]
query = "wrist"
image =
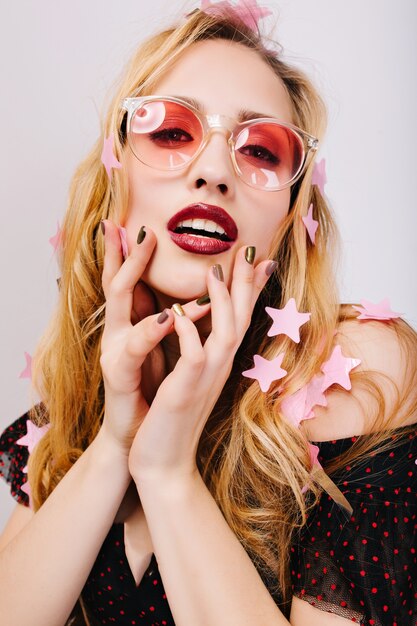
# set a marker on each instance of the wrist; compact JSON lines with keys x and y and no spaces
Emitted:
{"x":108,"y":450}
{"x":166,"y":484}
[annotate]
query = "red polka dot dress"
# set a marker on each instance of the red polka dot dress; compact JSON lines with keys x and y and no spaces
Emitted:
{"x":363,"y":568}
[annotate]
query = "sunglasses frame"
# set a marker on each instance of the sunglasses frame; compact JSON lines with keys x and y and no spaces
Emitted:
{"x":212,"y":122}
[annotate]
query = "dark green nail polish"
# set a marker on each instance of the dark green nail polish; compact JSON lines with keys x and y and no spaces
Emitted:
{"x":141,"y":235}
{"x":250,"y":254}
{"x":271,"y":268}
{"x":203,"y":299}
{"x":218,"y":272}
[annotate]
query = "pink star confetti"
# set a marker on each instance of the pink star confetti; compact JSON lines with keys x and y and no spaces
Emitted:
{"x":266,"y":371}
{"x":248,"y":11}
{"x":311,"y":224}
{"x":314,"y":453}
{"x":294,"y":407}
{"x":33,"y":435}
{"x":319,"y":177}
{"x":26,"y":489}
{"x":315,"y":463}
{"x":56,"y":240}
{"x":27,"y":372}
{"x":315,"y":395}
{"x":337,"y":368}
{"x":123,"y":239}
{"x":371,"y":311}
{"x":298,"y":406}
{"x":287,"y":321}
{"x":107,"y":156}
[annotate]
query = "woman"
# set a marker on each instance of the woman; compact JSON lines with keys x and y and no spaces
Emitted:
{"x":167,"y":487}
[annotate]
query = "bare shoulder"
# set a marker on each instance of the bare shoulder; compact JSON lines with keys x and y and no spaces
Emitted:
{"x":384,"y":385}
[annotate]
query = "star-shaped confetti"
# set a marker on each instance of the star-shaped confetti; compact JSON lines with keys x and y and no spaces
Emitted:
{"x":26,"y":489}
{"x":311,"y":224}
{"x":56,"y":240}
{"x":33,"y":435}
{"x":315,"y":395}
{"x":319,"y":177}
{"x":107,"y":156}
{"x":266,"y":371}
{"x":27,"y":372}
{"x":248,"y":11}
{"x":294,"y":407}
{"x":337,"y":368}
{"x":314,"y":453}
{"x":123,"y":240}
{"x":287,"y":321}
{"x":371,"y":311}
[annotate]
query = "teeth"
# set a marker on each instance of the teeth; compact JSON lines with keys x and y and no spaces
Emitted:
{"x":199,"y":224}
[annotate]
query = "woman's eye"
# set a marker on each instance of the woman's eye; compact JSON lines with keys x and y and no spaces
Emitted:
{"x":260,"y":153}
{"x":170,"y":136}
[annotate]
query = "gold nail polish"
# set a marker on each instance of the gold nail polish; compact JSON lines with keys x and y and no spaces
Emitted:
{"x":250,"y":254}
{"x":177,"y":308}
{"x":203,"y":299}
{"x":141,"y":235}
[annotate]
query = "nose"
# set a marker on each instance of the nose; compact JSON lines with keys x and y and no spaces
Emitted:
{"x":213,"y":167}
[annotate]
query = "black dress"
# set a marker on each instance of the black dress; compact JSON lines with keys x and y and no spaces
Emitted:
{"x":363,"y":568}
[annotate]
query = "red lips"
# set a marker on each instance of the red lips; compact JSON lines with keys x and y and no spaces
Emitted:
{"x":198,"y":243}
{"x":206,"y":212}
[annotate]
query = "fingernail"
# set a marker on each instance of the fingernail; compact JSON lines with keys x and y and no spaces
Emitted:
{"x":162,"y":317}
{"x":250,"y":254}
{"x":177,"y":308}
{"x":218,"y":271}
{"x":271,"y":268}
{"x":141,"y":235}
{"x":203,"y":299}
{"x":103,"y":227}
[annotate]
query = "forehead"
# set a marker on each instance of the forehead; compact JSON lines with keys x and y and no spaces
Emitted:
{"x":225,"y":77}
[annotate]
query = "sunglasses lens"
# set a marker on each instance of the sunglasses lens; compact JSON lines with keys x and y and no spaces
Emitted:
{"x":165,"y":134}
{"x":268,"y":155}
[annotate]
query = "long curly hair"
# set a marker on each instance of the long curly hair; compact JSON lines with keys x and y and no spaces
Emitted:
{"x":254,"y":461}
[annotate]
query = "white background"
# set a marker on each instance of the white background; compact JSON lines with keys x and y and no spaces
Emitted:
{"x":58,"y":62}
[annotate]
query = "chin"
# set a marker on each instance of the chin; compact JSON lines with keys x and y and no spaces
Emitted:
{"x":174,"y":287}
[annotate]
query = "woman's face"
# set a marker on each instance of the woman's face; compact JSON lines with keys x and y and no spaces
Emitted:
{"x":224,"y":77}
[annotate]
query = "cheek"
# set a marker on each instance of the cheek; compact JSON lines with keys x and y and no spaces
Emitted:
{"x":269,"y":222}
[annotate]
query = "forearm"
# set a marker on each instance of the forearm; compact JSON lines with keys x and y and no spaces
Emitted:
{"x":44,"y":568}
{"x":208,"y":577}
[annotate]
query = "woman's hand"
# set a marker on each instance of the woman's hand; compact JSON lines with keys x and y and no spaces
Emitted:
{"x":167,"y":440}
{"x":127,"y":342}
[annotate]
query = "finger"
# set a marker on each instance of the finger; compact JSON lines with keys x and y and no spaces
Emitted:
{"x":142,"y":339}
{"x":222,"y":338}
{"x":247,"y":283}
{"x":113,"y":257}
{"x":119,"y":300}
{"x":262,"y":273}
{"x":192,"y":359}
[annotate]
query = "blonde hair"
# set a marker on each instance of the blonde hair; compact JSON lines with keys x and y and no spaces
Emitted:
{"x":253,"y":460}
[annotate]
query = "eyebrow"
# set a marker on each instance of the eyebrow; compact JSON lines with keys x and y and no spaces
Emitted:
{"x":243,"y":116}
